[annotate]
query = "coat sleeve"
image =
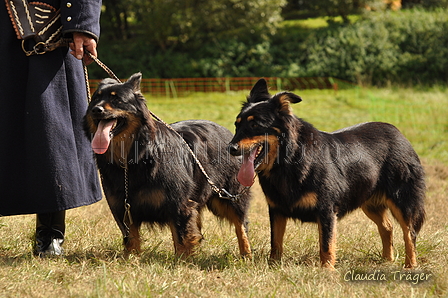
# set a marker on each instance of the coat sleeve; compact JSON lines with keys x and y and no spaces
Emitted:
{"x":81,"y":16}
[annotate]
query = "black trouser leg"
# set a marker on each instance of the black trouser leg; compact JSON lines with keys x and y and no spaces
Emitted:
{"x":51,"y":221}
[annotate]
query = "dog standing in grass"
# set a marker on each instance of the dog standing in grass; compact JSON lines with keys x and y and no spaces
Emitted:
{"x":315,"y":176}
{"x":163,"y":185}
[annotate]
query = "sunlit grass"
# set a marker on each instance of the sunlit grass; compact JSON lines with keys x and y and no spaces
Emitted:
{"x":314,"y":23}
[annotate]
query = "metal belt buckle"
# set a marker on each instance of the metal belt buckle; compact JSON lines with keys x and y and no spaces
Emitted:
{"x":38,"y":49}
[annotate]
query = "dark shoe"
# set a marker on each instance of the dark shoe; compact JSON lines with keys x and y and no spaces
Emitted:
{"x":54,"y":249}
{"x":49,"y":243}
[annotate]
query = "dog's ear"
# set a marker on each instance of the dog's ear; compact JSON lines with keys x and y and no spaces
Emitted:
{"x":259,"y":92}
{"x":134,"y":82}
{"x":283,"y":100}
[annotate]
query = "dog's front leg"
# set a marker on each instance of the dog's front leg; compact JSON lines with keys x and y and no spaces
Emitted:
{"x":278,"y":227}
{"x":132,"y":242}
{"x":130,"y":232}
{"x":327,"y":239}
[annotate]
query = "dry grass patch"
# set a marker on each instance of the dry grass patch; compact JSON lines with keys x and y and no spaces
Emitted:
{"x":94,"y":265}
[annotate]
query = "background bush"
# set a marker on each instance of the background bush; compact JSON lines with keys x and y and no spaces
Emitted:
{"x":404,"y":47}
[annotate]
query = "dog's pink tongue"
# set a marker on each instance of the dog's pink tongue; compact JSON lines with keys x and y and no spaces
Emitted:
{"x":247,"y":170}
{"x":101,"y":140}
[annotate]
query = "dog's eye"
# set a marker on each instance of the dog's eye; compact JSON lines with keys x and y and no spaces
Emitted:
{"x":252,"y":124}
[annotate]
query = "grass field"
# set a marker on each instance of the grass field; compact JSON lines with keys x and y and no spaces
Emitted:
{"x":94,"y":265}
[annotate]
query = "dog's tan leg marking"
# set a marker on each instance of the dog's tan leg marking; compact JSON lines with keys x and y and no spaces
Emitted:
{"x":181,"y":248}
{"x":278,"y":228}
{"x":175,"y":236}
{"x":243,"y":241}
{"x":193,"y":232}
{"x":199,"y":222}
{"x":133,"y":242}
{"x":225,"y":210}
{"x":186,"y":240}
{"x":408,"y":235}
{"x":378,"y":214}
{"x":240,"y":230}
{"x":327,"y":257}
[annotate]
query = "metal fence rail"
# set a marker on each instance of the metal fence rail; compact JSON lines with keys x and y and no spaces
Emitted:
{"x":185,"y":86}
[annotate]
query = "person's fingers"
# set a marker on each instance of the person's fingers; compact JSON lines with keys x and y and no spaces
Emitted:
{"x":78,"y":45}
{"x":82,"y":43}
{"x":90,"y":46}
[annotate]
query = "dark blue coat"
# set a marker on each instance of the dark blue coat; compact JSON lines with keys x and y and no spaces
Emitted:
{"x":46,"y":163}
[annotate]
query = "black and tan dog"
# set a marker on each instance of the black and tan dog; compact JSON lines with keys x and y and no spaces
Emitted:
{"x":164,"y":185}
{"x":315,"y":176}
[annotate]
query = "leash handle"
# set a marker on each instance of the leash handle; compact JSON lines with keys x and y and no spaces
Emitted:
{"x":86,"y":77}
{"x":103,"y":66}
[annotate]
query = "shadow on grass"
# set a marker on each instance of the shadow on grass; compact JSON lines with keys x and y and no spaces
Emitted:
{"x":14,"y":260}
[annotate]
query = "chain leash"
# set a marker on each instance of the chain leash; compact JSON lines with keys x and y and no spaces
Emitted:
{"x":222,"y":192}
{"x":127,"y":220}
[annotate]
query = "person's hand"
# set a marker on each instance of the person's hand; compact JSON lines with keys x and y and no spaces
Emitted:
{"x":81,"y":43}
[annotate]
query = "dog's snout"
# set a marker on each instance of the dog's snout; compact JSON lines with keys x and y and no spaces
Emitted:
{"x":97,"y":110}
{"x":233,"y":149}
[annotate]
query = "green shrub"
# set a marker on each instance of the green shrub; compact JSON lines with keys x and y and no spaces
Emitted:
{"x":405,"y":47}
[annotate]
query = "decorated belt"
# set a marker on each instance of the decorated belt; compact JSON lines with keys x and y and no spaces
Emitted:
{"x":37,"y":24}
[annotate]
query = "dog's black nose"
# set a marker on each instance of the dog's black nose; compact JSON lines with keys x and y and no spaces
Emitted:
{"x":233,"y":149}
{"x":97,"y":110}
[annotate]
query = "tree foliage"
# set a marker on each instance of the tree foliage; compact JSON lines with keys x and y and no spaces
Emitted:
{"x":404,"y":47}
{"x":114,"y":19}
{"x":330,"y":8}
{"x":333,"y":8}
{"x":424,"y":3}
{"x":168,"y":23}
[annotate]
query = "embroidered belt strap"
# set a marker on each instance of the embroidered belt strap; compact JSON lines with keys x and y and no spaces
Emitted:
{"x":38,"y":21}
